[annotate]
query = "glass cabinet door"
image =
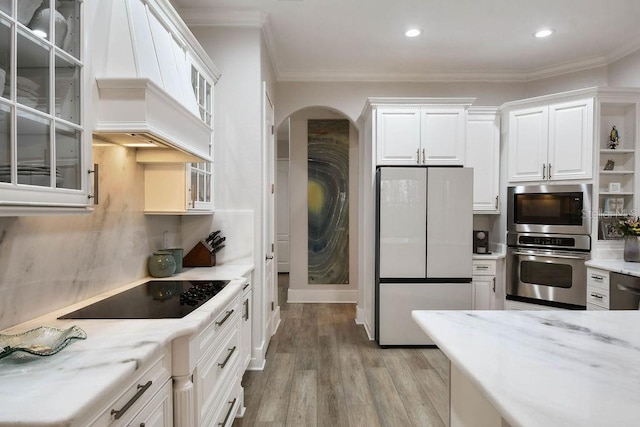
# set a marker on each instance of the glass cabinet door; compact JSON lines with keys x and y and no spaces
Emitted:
{"x":42,"y":140}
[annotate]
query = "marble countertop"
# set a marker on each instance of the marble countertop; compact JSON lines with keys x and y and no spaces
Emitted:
{"x":547,"y":368}
{"x":54,"y":390}
{"x":498,"y":251}
{"x":617,"y":265}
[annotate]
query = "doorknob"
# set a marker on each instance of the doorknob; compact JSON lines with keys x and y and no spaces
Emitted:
{"x":269,"y":257}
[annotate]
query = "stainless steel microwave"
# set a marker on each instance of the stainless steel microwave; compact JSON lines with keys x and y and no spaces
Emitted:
{"x":549,"y":209}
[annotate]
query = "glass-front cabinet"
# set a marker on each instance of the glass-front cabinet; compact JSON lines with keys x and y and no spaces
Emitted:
{"x":202,"y":173}
{"x":44,"y":156}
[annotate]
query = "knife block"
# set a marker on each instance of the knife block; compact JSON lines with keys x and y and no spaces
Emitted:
{"x":199,"y":256}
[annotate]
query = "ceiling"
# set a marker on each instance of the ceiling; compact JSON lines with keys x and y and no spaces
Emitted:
{"x":463,"y":40}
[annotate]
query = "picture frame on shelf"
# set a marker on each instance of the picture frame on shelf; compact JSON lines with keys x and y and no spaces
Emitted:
{"x":614,"y":205}
{"x":610,"y":165}
{"x":615,"y":187}
{"x":608,"y":230}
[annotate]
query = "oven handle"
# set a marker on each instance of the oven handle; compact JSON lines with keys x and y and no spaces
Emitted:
{"x":548,"y":255}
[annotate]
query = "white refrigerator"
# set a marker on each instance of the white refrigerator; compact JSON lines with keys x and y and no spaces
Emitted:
{"x":424,"y":247}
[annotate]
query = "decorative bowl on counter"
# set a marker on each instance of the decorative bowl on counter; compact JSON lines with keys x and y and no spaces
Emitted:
{"x":42,"y":341}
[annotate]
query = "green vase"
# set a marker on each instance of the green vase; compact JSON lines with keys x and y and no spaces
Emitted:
{"x":632,"y":248}
{"x":162,"y":264}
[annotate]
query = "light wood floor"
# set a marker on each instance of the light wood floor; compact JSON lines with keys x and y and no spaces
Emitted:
{"x":322,"y":370}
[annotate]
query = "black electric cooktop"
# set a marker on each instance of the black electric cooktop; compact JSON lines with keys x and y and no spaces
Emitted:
{"x":157,"y":299}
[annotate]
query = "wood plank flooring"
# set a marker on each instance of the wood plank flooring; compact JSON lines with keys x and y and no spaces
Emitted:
{"x":322,"y":370}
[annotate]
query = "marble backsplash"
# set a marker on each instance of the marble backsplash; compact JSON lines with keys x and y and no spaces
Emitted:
{"x":48,"y":262}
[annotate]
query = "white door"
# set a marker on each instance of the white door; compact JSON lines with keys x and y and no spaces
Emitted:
{"x":570,"y":140}
{"x":398,"y":136}
{"x":270,"y":281}
{"x":527,"y":139}
{"x":483,"y":155}
{"x":282,"y":197}
{"x":402,"y":234}
{"x":442,"y":136}
{"x":449,"y":223}
{"x":484,"y":292}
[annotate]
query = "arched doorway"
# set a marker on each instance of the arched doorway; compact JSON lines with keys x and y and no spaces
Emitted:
{"x":303,"y":214}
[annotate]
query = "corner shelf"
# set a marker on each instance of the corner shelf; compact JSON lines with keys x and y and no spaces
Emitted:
{"x":622,"y":113}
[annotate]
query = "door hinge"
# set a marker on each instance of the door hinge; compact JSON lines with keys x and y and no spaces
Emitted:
{"x":272,"y":132}
{"x":273,"y":306}
{"x":273,"y":188}
{"x":273,"y":247}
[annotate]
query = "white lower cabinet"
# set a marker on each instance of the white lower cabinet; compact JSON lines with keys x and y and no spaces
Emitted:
{"x":207,"y":364}
{"x":245,"y":328}
{"x":145,"y":396}
{"x":597,"y":289}
{"x":159,"y":411}
{"x":485,"y":295}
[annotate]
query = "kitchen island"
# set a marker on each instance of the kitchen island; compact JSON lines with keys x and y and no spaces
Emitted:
{"x":70,"y":387}
{"x":540,"y":368}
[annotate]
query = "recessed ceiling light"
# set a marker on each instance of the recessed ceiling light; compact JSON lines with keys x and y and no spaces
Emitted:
{"x":413,"y":32}
{"x":545,"y":32}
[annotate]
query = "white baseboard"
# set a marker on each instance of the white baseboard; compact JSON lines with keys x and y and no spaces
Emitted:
{"x":361,"y":319}
{"x":321,"y":295}
{"x":258,"y":358}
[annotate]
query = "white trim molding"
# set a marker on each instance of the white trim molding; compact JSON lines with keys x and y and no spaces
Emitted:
{"x":322,"y":295}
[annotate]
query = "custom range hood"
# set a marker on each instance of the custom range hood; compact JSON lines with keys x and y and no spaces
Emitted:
{"x":145,"y":95}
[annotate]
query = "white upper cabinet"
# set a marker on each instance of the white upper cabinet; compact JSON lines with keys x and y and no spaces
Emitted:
{"x":528,"y":129}
{"x":571,"y":140}
{"x":442,"y":135}
{"x":551,"y":142}
{"x":398,"y":132}
{"x":483,"y":155}
{"x":45,"y":152}
{"x":420,"y":131}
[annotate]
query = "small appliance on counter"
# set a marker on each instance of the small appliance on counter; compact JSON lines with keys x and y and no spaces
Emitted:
{"x":204,"y":252}
{"x":481,"y":242}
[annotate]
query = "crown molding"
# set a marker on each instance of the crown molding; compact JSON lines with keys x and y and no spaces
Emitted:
{"x":208,"y":17}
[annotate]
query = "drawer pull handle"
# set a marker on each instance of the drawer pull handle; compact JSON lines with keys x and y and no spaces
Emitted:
{"x":226,"y":418}
{"x":593,"y":276}
{"x":246,"y":309}
{"x":224,"y":319}
{"x":597,"y":296}
{"x":482,"y":267}
{"x":246,"y":286}
{"x":226,"y":359}
{"x":141,"y":389}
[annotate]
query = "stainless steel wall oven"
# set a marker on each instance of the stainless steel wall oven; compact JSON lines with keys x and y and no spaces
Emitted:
{"x":548,"y":243}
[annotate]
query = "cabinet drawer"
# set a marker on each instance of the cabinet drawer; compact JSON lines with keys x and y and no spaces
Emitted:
{"x":484,"y":268}
{"x":598,"y":296}
{"x":215,"y":369}
{"x":598,"y":278}
{"x":137,"y":393}
{"x":222,"y":323}
{"x":229,"y":404}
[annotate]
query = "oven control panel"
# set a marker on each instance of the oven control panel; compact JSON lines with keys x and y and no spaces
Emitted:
{"x":580,"y":242}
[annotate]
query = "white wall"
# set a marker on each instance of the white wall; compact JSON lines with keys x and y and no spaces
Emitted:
{"x":49,"y":262}
{"x":565,"y":82}
{"x":240,"y":56}
{"x":625,"y":72}
{"x":299,"y":288}
{"x":349,"y":97}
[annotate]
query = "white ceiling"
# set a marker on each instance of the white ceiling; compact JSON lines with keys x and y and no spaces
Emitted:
{"x":462,"y":39}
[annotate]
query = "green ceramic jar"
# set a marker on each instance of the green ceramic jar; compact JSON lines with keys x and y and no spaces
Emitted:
{"x":162,"y":264}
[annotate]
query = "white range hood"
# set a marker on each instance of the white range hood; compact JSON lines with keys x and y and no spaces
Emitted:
{"x":145,"y":96}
